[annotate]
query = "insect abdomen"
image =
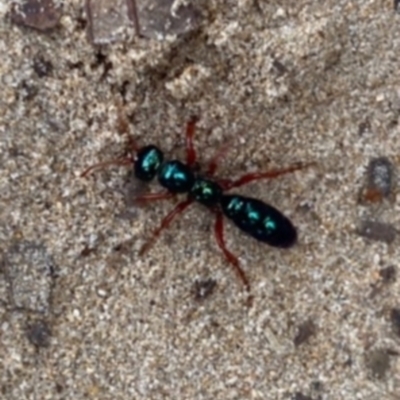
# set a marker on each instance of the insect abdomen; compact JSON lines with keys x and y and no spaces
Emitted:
{"x":259,"y":220}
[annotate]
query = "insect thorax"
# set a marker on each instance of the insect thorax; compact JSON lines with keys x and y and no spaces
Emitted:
{"x":176,"y":176}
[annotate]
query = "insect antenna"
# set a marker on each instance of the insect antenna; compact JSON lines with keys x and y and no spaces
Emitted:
{"x":126,"y":160}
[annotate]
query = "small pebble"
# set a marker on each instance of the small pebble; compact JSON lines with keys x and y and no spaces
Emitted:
{"x":38,"y":14}
{"x":395,"y":319}
{"x":203,"y":288}
{"x":378,"y":362}
{"x":379,"y":180}
{"x":378,"y":231}
{"x":388,"y":274}
{"x":38,"y":333}
{"x":304,"y":333}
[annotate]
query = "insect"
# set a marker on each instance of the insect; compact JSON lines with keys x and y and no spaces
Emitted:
{"x":261,"y":221}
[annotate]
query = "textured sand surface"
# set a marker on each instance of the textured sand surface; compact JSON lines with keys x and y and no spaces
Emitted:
{"x":82,"y":316}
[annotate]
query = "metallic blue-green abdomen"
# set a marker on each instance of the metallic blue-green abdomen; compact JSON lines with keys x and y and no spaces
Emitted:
{"x":176,"y":177}
{"x":259,"y":220}
{"x":148,"y":161}
{"x":206,"y":192}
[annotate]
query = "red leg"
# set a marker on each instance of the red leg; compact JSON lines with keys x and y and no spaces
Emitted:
{"x":229,"y":184}
{"x":190,"y":151}
{"x":146,"y":198}
{"x":219,"y":235}
{"x":125,"y":161}
{"x":179,"y":208}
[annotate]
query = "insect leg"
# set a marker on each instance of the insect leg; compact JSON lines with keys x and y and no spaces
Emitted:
{"x":219,"y":236}
{"x":149,"y":197}
{"x":190,"y":150}
{"x":179,"y":208}
{"x":243,"y":180}
{"x":124,"y":161}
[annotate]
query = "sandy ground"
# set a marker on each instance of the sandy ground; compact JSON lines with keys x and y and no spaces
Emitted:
{"x":83,"y":316}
